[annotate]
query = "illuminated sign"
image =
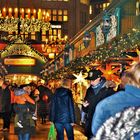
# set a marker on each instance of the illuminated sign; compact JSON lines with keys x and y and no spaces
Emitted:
{"x":56,"y":26}
{"x":19,"y":61}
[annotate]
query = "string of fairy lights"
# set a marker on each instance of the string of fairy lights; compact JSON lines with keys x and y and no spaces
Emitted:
{"x":10,"y":24}
{"x":113,"y":49}
{"x":18,"y":47}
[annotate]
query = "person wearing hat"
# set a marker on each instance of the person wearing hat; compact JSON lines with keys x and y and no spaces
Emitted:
{"x":119,"y":102}
{"x":99,"y":89}
{"x":24,"y":122}
{"x":21,"y":97}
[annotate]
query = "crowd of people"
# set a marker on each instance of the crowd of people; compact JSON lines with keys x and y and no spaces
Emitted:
{"x":25,"y":103}
{"x":101,"y":102}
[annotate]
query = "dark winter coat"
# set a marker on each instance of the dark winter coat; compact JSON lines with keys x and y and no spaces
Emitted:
{"x":45,"y":91}
{"x":28,"y":124}
{"x":62,"y":106}
{"x":94,"y":96}
{"x":6,"y":100}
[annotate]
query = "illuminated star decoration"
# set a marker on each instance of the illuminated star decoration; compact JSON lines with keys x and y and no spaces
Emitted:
{"x":109,"y":73}
{"x":135,"y":59}
{"x":80,"y":79}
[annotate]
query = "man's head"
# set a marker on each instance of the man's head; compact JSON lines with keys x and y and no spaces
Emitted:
{"x":94,"y":76}
{"x":132,"y":76}
{"x":64,"y":83}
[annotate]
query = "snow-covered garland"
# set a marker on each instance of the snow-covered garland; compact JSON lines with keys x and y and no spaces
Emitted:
{"x":120,"y":127}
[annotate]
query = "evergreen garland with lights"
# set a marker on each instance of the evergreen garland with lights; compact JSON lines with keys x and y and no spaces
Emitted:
{"x":113,"y":49}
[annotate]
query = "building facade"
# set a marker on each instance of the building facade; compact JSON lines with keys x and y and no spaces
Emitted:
{"x":67,"y":17}
{"x":97,"y":6}
{"x":124,"y":16}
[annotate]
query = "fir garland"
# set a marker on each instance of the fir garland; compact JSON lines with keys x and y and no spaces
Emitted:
{"x":115,"y":48}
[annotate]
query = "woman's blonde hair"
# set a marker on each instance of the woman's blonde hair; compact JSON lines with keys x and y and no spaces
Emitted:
{"x":133,"y":75}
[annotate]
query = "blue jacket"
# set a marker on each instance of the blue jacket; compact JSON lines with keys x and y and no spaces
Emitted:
{"x":62,"y":106}
{"x":114,"y":104}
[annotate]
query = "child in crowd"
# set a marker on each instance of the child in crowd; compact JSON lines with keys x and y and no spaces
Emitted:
{"x":21,"y":99}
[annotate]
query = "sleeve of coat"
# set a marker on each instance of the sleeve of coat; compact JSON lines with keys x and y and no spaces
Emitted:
{"x":100,"y":115}
{"x":71,"y":107}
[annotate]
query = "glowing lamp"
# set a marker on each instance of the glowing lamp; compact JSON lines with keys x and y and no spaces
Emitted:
{"x":51,"y":55}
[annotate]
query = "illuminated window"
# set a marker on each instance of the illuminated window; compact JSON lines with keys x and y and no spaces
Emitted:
{"x":58,"y":15}
{"x":65,"y":18}
{"x":59,"y":32}
{"x":54,"y":18}
{"x":43,"y":35}
{"x":50,"y":32}
{"x":60,"y":18}
{"x":138,"y":8}
{"x":65,"y":15}
{"x":49,"y":13}
{"x":26,"y":35}
{"x":84,"y":1}
{"x":54,"y":12}
{"x":33,"y":35}
{"x":59,"y":12}
{"x":105,"y":5}
{"x":65,"y":12}
{"x":101,"y":5}
{"x":54,"y":32}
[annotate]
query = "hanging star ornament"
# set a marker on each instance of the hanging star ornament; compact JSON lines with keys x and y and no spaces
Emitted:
{"x":80,"y":79}
{"x":109,"y":73}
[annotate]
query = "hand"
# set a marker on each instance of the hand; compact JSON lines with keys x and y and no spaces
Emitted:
{"x":86,"y":103}
{"x":37,"y":98}
{"x":72,"y":124}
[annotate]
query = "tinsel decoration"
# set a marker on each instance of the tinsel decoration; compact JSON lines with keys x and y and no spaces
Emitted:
{"x":20,"y":48}
{"x":10,"y":24}
{"x":120,"y":127}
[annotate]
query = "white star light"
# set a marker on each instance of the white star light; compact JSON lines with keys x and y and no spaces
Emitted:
{"x":80,"y":79}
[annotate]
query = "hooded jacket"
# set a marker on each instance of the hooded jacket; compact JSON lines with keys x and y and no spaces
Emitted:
{"x":114,"y":104}
{"x":62,"y":106}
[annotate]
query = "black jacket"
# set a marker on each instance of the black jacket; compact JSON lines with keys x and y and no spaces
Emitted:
{"x":93,"y":100}
{"x":62,"y":106}
{"x":6,"y":100}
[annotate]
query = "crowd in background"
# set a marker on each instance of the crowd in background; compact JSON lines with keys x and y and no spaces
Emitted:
{"x":24,"y":102}
{"x":28,"y":102}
